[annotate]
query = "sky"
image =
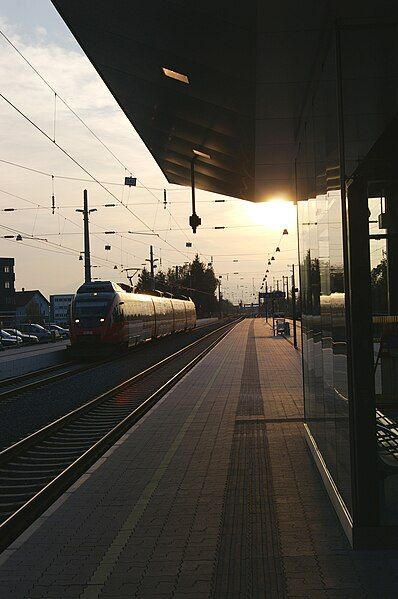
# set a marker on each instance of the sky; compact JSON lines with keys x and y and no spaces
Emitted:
{"x":33,"y":114}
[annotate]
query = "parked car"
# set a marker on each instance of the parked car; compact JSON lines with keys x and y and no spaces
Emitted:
{"x":26,"y":338}
{"x":40,"y":332}
{"x":8,"y":340}
{"x":61,"y":330}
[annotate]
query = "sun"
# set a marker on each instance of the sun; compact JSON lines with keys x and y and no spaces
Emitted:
{"x":274,"y":214}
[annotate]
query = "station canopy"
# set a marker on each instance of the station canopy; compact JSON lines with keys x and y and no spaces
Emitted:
{"x":224,"y":77}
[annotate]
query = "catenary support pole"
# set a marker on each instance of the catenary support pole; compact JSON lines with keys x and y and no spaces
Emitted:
{"x":151,"y":261}
{"x":87,"y":257}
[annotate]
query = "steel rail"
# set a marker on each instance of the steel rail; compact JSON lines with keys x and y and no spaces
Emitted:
{"x":86,"y":433}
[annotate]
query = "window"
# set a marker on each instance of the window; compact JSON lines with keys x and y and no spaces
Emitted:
{"x":7,"y":284}
{"x":6,"y":269}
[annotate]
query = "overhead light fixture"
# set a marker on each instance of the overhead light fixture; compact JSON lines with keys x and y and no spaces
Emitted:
{"x":201,"y":154}
{"x":175,"y":75}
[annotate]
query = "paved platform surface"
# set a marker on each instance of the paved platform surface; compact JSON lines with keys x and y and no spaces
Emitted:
{"x":14,"y":362}
{"x":212,"y":494}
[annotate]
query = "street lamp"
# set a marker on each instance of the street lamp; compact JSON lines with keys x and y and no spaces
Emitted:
{"x":194,"y":219}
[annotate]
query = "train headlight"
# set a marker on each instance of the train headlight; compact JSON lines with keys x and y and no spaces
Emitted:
{"x":102,"y":319}
{"x":77,"y":320}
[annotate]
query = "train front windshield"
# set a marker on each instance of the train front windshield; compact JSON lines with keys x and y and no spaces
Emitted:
{"x":90,"y":311}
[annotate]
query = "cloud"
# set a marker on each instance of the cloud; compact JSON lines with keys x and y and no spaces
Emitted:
{"x":41,"y":32}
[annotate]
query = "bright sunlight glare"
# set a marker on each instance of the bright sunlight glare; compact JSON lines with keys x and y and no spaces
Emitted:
{"x":274,"y":214}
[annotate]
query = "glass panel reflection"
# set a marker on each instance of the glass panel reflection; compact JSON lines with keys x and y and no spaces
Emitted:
{"x":324,"y":334}
{"x":383,"y":228}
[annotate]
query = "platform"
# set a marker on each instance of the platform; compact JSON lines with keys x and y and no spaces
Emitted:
{"x":212,"y":494}
{"x":15,"y":362}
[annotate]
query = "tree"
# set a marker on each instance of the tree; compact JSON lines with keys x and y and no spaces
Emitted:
{"x":194,"y":279}
{"x":161,"y":282}
{"x":145,"y":282}
{"x":378,"y":281}
{"x":33,"y":312}
{"x":201,"y":285}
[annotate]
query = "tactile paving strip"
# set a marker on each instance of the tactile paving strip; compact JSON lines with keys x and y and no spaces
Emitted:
{"x":248,"y":561}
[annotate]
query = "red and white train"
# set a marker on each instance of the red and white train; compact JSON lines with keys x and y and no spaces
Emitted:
{"x":105,"y":316}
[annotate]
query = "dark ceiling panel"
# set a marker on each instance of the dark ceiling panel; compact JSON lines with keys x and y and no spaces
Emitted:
{"x":214,"y":44}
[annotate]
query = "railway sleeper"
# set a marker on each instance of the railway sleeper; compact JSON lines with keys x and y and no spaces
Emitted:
{"x":27,"y":470}
{"x":99,"y":419}
{"x":57,"y":461}
{"x":11,"y":479}
{"x":19,"y":493}
{"x":44,"y":465}
{"x":71,"y":443}
{"x":89,"y":423}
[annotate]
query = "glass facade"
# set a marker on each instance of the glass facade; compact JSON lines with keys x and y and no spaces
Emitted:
{"x":347,"y":192}
{"x":322,"y":279}
{"x":324,"y":334}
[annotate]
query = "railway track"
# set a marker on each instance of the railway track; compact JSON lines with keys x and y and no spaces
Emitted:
{"x":38,"y":468}
{"x":31,"y":380}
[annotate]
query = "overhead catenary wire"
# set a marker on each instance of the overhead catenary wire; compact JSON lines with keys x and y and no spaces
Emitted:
{"x":66,"y":219}
{"x":72,"y":251}
{"x":77,"y":116}
{"x":36,"y":126}
{"x":83,"y":180}
{"x":74,"y":223}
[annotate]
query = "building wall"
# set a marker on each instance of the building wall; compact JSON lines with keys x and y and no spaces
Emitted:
{"x":7,"y":288}
{"x":37,"y":310}
{"x":59,"y":305}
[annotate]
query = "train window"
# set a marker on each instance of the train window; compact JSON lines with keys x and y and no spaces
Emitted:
{"x":91,"y":308}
